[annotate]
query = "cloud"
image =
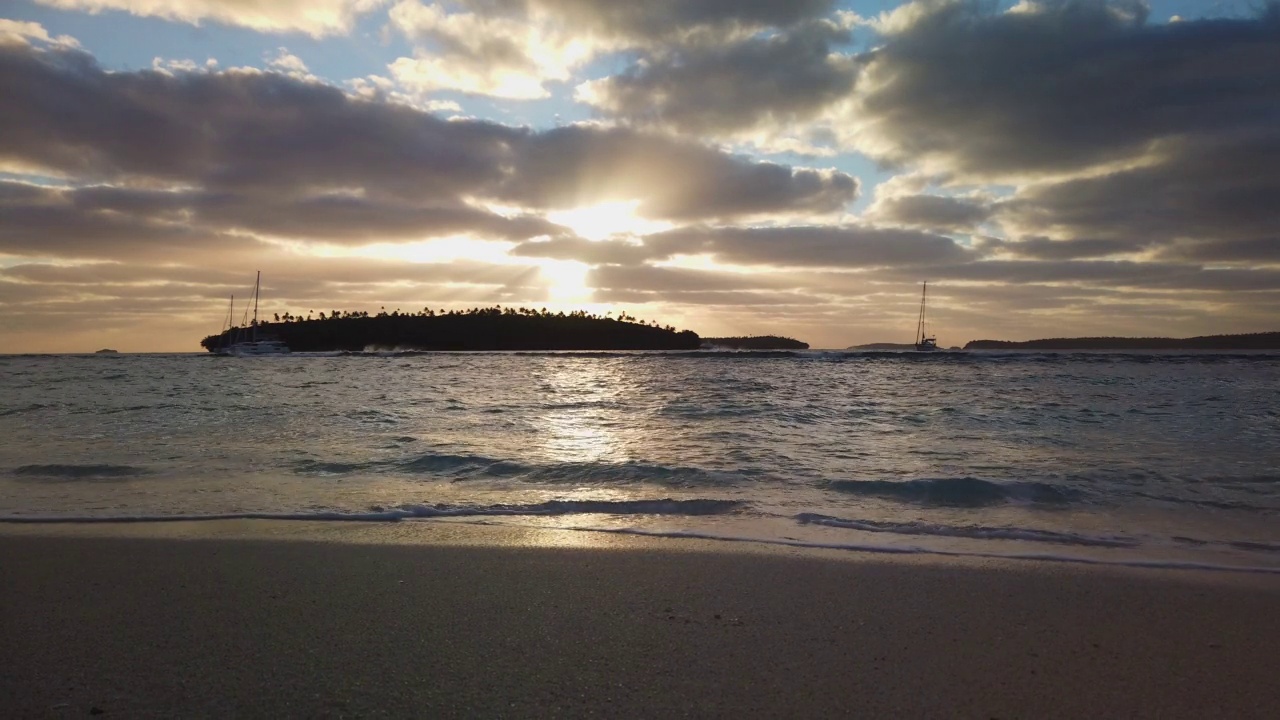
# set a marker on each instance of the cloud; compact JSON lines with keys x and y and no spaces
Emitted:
{"x":602,"y":252}
{"x":673,"y":179}
{"x":1107,"y":274}
{"x":711,"y":86}
{"x":289,"y":64}
{"x":19,"y":32}
{"x":812,"y":246}
{"x":184,"y":65}
{"x":736,"y":300}
{"x":1116,"y":135}
{"x":104,"y":222}
{"x":1059,"y":86}
{"x":266,"y":153}
{"x":665,"y":19}
{"x":514,"y":48}
{"x":934,"y":212}
{"x":667,"y":279}
{"x":509,"y":55}
{"x":1204,"y":192}
{"x":1043,"y":248}
{"x":313,"y":17}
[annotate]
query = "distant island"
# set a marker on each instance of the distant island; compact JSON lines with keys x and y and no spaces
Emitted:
{"x":492,"y":328}
{"x":758,"y":342}
{"x":104,"y":350}
{"x":1253,"y":341}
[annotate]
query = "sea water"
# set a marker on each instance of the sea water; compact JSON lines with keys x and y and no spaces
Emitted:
{"x":1165,"y":459}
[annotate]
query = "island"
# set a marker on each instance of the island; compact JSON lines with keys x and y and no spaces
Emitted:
{"x":757,"y":342}
{"x":1252,"y":341}
{"x":107,"y":351}
{"x":491,"y":328}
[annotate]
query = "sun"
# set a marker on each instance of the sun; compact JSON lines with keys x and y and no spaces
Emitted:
{"x":599,"y":222}
{"x":566,"y":279}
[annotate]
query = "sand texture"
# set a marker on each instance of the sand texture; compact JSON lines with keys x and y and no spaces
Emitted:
{"x":150,"y":625}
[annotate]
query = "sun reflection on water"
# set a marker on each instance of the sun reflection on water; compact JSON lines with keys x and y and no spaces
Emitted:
{"x":582,"y":423}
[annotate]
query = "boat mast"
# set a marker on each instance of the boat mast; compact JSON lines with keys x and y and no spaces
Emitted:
{"x":256,"y":283}
{"x":920,"y":325}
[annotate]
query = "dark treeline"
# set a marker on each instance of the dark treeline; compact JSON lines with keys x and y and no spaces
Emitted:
{"x":758,"y":342}
{"x":493,"y":328}
{"x":1253,"y":341}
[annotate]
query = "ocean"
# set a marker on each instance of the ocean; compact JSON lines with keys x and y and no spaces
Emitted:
{"x":1147,"y":459}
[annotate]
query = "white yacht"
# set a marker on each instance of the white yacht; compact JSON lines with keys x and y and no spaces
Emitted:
{"x":924,"y":342}
{"x":247,"y":340}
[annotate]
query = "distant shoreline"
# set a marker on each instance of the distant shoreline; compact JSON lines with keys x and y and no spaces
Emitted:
{"x":1251,"y":341}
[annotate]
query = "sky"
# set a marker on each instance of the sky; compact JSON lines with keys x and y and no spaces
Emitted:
{"x":734,"y":167}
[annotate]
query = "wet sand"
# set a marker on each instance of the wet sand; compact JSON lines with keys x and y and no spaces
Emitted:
{"x":276,"y":619}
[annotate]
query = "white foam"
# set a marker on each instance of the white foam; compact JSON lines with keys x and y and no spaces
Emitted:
{"x":916,"y":550}
{"x":977,"y":532}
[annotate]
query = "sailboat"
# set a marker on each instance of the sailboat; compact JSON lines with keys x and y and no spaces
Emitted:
{"x":247,"y":341}
{"x":924,"y":343}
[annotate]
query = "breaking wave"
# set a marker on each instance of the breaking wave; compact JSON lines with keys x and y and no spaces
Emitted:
{"x":77,"y":472}
{"x":665,"y":506}
{"x":958,"y":492}
{"x":977,"y":532}
{"x":460,"y":467}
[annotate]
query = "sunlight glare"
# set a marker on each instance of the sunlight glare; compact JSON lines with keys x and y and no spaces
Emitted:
{"x":598,"y":222}
{"x":566,"y":279}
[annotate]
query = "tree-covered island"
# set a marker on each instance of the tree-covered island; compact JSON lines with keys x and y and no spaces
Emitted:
{"x":490,"y":328}
{"x":757,"y":342}
{"x":1251,"y":341}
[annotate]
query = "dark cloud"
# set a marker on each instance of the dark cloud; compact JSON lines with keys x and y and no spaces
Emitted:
{"x":709,"y":298}
{"x":671,"y":279}
{"x":720,"y":87}
{"x":675,"y":179}
{"x":1068,"y":84}
{"x":103,"y":222}
{"x":933,"y":212}
{"x":283,"y":274}
{"x":660,"y":19}
{"x":1264,"y":249}
{"x":602,"y":252}
{"x":284,"y":141}
{"x":1110,"y":274}
{"x":1168,"y":129}
{"x":1042,"y":248}
{"x":44,"y":221}
{"x":1220,"y":191}
{"x":823,"y":246}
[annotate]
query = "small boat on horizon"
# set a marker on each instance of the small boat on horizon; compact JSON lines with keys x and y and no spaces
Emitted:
{"x":924,"y":342}
{"x":246,"y":341}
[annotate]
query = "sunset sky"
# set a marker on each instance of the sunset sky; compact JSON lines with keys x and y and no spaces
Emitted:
{"x":733,"y":167}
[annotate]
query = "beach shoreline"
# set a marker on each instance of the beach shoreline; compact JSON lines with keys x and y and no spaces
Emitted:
{"x":272,"y":618}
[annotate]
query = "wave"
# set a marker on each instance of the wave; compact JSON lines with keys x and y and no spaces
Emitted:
{"x":957,"y":492}
{"x":24,"y":409}
{"x":1105,"y":357}
{"x":977,"y":532}
{"x":698,"y":507}
{"x":665,"y":506}
{"x":78,"y":472}
{"x":465,"y":466}
{"x":908,"y":550}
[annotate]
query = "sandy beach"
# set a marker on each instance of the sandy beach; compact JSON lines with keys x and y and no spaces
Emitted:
{"x":280,"y":619}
